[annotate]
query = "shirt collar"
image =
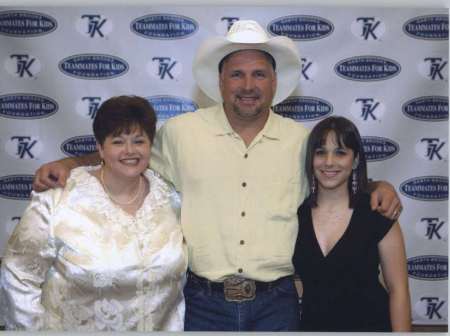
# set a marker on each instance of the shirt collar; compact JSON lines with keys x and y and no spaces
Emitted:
{"x":271,"y":129}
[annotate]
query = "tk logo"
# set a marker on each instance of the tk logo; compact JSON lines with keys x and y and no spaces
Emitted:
{"x":435,"y":67}
{"x":166,"y":67}
{"x":23,"y":64}
{"x":229,"y":20}
{"x":24,"y":146}
{"x":95,"y":24}
{"x":369,"y":26}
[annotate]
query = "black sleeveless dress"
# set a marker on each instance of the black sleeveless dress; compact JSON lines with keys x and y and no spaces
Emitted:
{"x":341,"y":291}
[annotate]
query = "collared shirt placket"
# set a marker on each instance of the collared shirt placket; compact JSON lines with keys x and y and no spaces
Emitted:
{"x":243,"y":238}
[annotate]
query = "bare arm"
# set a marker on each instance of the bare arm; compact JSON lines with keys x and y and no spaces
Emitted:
{"x":393,"y":264}
{"x":384,"y":199}
{"x":54,"y":174}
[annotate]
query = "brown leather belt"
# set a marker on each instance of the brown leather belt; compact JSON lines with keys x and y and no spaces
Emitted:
{"x":236,"y":288}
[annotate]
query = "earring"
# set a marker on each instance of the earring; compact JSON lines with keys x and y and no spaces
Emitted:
{"x":102,"y":162}
{"x":354,"y":182}
{"x":313,"y":185}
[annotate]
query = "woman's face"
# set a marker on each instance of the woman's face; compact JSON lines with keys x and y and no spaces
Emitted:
{"x":126,"y":155}
{"x":332,"y":164}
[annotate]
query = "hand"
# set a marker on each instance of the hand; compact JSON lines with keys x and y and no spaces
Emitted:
{"x":51,"y":175}
{"x":385,"y":200}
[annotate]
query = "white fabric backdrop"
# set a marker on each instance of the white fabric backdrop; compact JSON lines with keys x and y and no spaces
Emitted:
{"x":384,"y":68}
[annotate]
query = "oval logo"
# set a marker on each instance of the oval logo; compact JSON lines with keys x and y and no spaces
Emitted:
{"x":93,"y":66}
{"x":27,"y":106}
{"x":427,"y":27}
{"x":301,"y":27}
{"x":17,"y":187}
{"x":426,"y":188}
{"x":428,"y":267}
{"x":367,"y":68}
{"x":304,"y":108}
{"x":167,"y":106}
{"x":164,"y":26}
{"x":427,"y":108}
{"x":378,"y":149}
{"x":79,"y":145}
{"x":23,"y":23}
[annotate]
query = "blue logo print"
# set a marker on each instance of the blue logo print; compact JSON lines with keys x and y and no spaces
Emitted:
{"x":17,"y":187}
{"x":167,"y":107}
{"x":431,"y":307}
{"x":229,"y":20}
{"x":428,"y":267}
{"x":302,"y":108}
{"x":369,"y":26}
{"x":23,"y":23}
{"x":367,"y":68}
{"x":23,"y":65}
{"x":27,"y":106}
{"x":433,"y":227}
{"x":24,"y":146}
{"x":378,"y":149}
{"x":368,"y":108}
{"x":426,"y":188}
{"x":436,"y":65}
{"x":301,"y":27}
{"x":433,"y":147}
{"x":164,"y":26}
{"x":428,"y":27}
{"x":93,"y":103}
{"x":95,"y":24}
{"x":79,"y":145}
{"x":427,"y":108}
{"x":93,"y":66}
{"x":166,"y":65}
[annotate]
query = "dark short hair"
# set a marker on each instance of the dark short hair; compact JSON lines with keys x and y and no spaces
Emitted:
{"x":122,"y":114}
{"x":269,"y":57}
{"x":347,"y":135}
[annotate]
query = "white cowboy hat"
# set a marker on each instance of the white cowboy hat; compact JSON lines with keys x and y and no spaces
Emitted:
{"x":247,"y":34}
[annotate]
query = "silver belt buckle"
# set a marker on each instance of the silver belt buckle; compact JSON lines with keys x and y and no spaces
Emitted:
{"x":238,"y":289}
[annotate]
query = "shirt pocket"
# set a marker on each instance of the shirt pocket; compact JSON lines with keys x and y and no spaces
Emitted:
{"x":281,"y":198}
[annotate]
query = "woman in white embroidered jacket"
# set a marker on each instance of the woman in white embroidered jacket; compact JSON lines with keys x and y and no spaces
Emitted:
{"x":105,"y":252}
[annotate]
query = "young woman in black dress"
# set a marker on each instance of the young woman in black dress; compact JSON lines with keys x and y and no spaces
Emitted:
{"x":342,"y":242}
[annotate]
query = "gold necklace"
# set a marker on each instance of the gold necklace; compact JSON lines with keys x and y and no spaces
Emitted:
{"x":133,"y":199}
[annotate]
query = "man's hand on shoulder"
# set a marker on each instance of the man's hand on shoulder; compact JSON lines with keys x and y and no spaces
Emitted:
{"x":385,"y":200}
{"x":51,"y":175}
{"x":54,"y":174}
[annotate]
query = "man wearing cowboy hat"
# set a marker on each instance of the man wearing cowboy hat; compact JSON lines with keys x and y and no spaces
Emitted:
{"x":239,"y":169}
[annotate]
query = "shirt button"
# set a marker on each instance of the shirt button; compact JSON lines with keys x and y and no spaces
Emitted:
{"x":240,"y":270}
{"x":243,"y":213}
{"x":244,"y":184}
{"x":242,"y":242}
{"x":245,"y":156}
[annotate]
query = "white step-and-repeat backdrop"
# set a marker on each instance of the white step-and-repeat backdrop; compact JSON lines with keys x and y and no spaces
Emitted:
{"x":384,"y":68}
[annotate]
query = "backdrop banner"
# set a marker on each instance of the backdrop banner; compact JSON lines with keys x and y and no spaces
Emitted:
{"x":386,"y":69}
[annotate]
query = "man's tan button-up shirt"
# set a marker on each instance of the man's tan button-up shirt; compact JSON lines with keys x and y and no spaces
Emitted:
{"x":239,"y":203}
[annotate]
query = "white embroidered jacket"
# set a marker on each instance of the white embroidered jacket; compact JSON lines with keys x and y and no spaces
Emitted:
{"x":76,"y":261}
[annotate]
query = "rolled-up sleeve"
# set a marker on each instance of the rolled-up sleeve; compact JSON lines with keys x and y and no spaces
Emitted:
{"x":163,"y":158}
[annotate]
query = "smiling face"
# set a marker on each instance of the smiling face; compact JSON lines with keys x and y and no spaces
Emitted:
{"x":127,"y":154}
{"x":247,"y":84}
{"x":333,"y":164}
